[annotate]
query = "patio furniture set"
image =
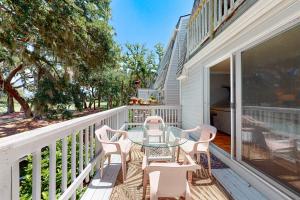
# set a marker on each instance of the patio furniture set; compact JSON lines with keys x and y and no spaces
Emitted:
{"x":159,"y":142}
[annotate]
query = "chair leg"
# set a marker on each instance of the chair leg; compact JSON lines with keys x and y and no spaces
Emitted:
{"x":198,"y":158}
{"x":178,"y":153}
{"x":101,"y":167}
{"x":187,"y":192}
{"x":108,"y":159}
{"x":145,"y":182}
{"x":198,"y":162}
{"x":208,"y":162}
{"x":123,"y":160}
{"x":130,"y":156}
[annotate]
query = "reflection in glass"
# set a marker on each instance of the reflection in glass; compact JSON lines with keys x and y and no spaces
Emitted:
{"x":271,"y":108}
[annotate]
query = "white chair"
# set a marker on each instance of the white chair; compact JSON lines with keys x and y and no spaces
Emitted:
{"x":121,"y":146}
{"x":168,"y":179}
{"x":154,"y":126}
{"x":206,"y":133}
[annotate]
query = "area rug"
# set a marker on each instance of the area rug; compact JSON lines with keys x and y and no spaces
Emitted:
{"x":203,"y":186}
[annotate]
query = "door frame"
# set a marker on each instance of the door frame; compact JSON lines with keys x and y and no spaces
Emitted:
{"x":206,"y":95}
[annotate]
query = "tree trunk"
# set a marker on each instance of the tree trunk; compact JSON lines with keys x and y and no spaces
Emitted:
{"x":15,"y":94}
{"x":110,"y":102}
{"x":99,"y":100}
{"x":10,"y":90}
{"x":10,"y":104}
{"x":84,"y":104}
{"x":90,"y":103}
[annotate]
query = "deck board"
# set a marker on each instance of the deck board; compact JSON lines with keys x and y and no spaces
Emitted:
{"x":237,"y":187}
{"x":101,"y":188}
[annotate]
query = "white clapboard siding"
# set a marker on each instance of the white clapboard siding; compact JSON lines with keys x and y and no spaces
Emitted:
{"x":192,"y":98}
{"x":171,"y":84}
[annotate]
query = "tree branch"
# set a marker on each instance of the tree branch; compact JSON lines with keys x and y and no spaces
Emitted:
{"x":14,"y":72}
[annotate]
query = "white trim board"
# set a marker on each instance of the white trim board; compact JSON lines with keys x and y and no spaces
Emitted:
{"x":257,"y":182}
{"x":236,"y":186}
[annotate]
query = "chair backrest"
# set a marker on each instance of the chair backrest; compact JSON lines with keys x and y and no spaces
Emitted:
{"x":154,"y":122}
{"x":173,"y":177}
{"x":102,"y":136}
{"x":101,"y":133}
{"x":172,"y":181}
{"x":207,"y":132}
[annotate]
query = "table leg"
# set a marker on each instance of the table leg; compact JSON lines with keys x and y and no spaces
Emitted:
{"x":178,"y":152}
{"x":190,"y":176}
{"x":145,"y":182}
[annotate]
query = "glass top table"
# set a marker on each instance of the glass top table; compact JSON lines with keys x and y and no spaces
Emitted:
{"x":172,"y":137}
{"x":158,"y":148}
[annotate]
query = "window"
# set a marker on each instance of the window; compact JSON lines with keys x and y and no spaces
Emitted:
{"x":271,"y":108}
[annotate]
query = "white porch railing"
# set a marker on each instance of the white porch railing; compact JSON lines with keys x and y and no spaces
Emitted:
{"x":286,"y":121}
{"x":84,"y":147}
{"x":209,"y":15}
{"x":199,"y":26}
{"x":223,"y":9}
{"x":170,"y":114}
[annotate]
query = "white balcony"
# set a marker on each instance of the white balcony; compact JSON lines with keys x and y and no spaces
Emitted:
{"x":73,"y":148}
{"x":206,"y":19}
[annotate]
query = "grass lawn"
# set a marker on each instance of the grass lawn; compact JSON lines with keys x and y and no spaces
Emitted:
{"x":3,"y":105}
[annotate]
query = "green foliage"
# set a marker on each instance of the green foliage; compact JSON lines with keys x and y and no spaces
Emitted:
{"x":26,"y":172}
{"x":56,"y":39}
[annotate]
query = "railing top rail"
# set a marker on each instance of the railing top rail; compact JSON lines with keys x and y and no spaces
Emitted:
{"x":26,"y":142}
{"x":154,"y":107}
{"x":279,"y":109}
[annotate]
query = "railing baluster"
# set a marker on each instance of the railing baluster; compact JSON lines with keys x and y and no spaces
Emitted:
{"x":225,"y":8}
{"x":80,"y":153}
{"x":231,"y":4}
{"x":215,"y":13}
{"x":199,"y":28}
{"x":52,"y":171}
{"x":86,"y":138}
{"x":202,"y":25}
{"x":36,"y":175}
{"x":92,"y":147}
{"x":73,"y":161}
{"x":64,"y":158}
{"x":220,"y":11}
{"x":16,"y":180}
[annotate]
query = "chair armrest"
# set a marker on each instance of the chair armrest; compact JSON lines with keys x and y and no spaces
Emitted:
{"x":117,"y":144}
{"x":123,"y":133}
{"x":185,"y":132}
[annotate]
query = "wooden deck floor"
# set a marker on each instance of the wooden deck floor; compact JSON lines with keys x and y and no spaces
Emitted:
{"x":225,"y":184}
{"x":101,"y":188}
{"x":203,"y":186}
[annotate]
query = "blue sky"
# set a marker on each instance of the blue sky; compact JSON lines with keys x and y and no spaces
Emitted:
{"x":147,"y":21}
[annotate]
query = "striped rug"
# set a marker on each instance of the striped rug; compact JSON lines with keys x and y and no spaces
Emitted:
{"x":203,"y":187}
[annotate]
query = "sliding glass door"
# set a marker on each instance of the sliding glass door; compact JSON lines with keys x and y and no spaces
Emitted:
{"x":270,"y":108}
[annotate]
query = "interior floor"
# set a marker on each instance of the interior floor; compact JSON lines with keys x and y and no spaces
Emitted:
{"x":223,"y":141}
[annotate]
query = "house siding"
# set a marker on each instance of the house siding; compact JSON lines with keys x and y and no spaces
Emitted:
{"x":171,"y":85}
{"x":262,"y":19}
{"x":191,"y":98}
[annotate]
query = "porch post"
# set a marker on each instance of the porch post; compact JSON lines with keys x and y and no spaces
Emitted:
{"x":5,"y":176}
